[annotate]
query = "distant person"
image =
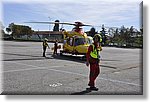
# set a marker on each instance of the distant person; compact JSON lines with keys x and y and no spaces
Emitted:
{"x":55,"y":47}
{"x":45,"y":45}
{"x":93,"y":59}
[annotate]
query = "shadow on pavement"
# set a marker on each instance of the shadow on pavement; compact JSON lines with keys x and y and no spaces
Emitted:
{"x":82,"y":92}
{"x":27,"y":57}
{"x":21,"y":59}
{"x":69,"y":58}
{"x":80,"y":59}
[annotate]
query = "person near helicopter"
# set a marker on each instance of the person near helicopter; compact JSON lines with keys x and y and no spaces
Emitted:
{"x":55,"y":47}
{"x":93,"y":59}
{"x":45,"y":45}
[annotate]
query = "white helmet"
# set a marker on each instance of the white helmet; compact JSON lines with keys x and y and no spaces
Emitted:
{"x":46,"y":39}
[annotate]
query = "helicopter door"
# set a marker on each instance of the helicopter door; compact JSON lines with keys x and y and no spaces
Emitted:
{"x":69,"y":46}
{"x":74,"y":45}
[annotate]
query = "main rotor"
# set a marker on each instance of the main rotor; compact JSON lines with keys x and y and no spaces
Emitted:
{"x":76,"y":24}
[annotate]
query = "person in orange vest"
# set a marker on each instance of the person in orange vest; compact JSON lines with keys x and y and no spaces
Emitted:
{"x":93,"y":59}
{"x":45,"y":45}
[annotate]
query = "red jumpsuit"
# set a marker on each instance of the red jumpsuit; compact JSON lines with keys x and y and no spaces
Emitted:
{"x":94,"y":66}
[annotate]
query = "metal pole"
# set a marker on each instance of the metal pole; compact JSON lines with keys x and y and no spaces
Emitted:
{"x":49,"y":28}
{"x":49,"y":24}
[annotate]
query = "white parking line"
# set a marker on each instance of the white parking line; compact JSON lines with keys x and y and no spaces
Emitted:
{"x":37,"y":67}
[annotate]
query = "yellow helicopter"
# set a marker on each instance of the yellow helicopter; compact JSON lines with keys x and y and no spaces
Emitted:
{"x":75,"y":42}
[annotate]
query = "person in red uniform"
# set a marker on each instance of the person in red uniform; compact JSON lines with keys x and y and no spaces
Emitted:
{"x":55,"y":47}
{"x":93,"y":59}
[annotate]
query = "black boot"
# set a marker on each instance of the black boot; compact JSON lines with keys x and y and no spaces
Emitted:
{"x":94,"y":88}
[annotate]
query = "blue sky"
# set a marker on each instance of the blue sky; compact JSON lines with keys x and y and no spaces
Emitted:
{"x":113,"y":13}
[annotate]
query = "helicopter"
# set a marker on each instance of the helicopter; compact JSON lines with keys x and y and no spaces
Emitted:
{"x":75,"y":42}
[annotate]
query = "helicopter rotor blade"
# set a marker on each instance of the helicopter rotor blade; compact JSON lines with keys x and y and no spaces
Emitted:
{"x":75,"y":24}
{"x":50,"y":23}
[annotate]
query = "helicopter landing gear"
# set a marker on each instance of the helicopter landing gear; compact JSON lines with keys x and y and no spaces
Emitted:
{"x":61,"y":53}
{"x":83,"y":57}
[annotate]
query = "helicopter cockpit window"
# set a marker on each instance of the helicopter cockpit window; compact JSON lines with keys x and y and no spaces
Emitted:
{"x":65,"y":41}
{"x":69,"y":41}
{"x":79,"y":41}
{"x":89,"y":40}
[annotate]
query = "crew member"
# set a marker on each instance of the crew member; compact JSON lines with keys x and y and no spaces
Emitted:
{"x":93,"y":59}
{"x":45,"y":45}
{"x":55,"y":47}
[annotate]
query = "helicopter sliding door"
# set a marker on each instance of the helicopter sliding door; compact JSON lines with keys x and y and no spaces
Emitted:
{"x":68,"y":46}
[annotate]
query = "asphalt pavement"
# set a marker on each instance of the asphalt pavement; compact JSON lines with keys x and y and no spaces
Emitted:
{"x":25,"y":71}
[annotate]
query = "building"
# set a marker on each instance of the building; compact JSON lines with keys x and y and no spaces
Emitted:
{"x":40,"y":35}
{"x":50,"y":35}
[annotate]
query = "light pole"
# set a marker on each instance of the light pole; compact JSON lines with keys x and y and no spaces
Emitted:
{"x":49,"y":27}
{"x":49,"y":24}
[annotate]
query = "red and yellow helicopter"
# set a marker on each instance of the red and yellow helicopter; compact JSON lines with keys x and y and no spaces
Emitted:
{"x":75,"y":42}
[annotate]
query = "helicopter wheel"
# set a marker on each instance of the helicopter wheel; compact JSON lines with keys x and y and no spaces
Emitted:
{"x":61,"y":53}
{"x":83,"y":57}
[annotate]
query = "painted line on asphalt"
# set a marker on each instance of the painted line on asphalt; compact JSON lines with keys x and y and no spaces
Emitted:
{"x":68,"y":72}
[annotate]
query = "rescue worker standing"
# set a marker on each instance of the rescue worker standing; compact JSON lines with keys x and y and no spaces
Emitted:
{"x":55,"y":47}
{"x":93,"y":59}
{"x":45,"y":45}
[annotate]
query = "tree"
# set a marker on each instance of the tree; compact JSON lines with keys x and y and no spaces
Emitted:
{"x":139,"y":38}
{"x":103,"y":34}
{"x":116,"y":37}
{"x":8,"y":30}
{"x":116,"y":33}
{"x":124,"y":35}
{"x":131,"y":37}
{"x":18,"y":30}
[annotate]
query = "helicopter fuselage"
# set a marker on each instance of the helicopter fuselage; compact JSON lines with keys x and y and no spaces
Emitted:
{"x":76,"y":43}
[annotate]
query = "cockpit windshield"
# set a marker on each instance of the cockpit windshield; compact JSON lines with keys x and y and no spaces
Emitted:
{"x":82,"y":41}
{"x":79,"y":41}
{"x":89,"y":40}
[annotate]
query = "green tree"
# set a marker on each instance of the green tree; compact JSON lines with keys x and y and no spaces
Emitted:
{"x":139,"y":38}
{"x":103,"y":34}
{"x":129,"y":36}
{"x":8,"y":30}
{"x":18,"y":30}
